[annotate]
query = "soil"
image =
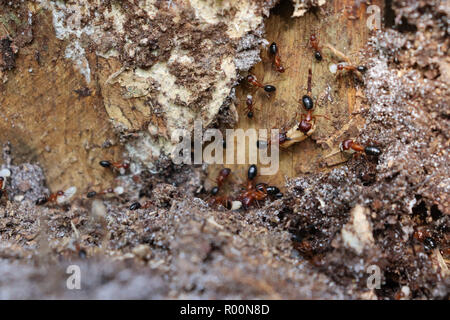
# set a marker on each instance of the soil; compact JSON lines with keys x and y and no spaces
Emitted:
{"x":317,"y":242}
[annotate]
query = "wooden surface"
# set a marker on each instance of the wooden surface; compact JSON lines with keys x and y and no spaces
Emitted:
{"x":336,"y":97}
{"x":46,"y":121}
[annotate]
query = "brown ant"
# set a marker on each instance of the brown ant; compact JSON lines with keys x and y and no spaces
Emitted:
{"x":306,"y":124}
{"x":350,"y":146}
{"x":250,"y":107}
{"x":225,"y":201}
{"x":282,"y":139}
{"x":254,"y":82}
{"x":223,"y":175}
{"x":51,"y":198}
{"x":269,"y":190}
{"x":348,"y":67}
{"x":117,"y":191}
{"x":136,"y":205}
{"x":120,"y":166}
{"x":315,"y":45}
{"x":275,"y":54}
{"x":2,"y":186}
{"x":251,"y":194}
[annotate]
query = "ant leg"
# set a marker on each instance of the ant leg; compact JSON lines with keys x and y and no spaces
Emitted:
{"x":320,"y":115}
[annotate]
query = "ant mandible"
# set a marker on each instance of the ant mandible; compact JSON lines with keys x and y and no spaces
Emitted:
{"x":275,"y":54}
{"x":306,"y":124}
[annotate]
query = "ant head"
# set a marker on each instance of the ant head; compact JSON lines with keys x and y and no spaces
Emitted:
{"x":340,"y":66}
{"x":313,"y":37}
{"x":281,"y":69}
{"x":346,"y":144}
{"x":60,"y":193}
{"x":251,"y":78}
{"x":2,"y":179}
{"x":304,"y":126}
{"x":126,"y":165}
{"x":225,"y":172}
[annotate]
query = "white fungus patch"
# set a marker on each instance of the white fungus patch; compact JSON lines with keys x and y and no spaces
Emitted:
{"x":357,"y":233}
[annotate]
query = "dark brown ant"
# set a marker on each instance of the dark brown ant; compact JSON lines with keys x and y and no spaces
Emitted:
{"x":251,"y":194}
{"x":349,"y":67}
{"x":114,"y":165}
{"x":275,"y":54}
{"x":269,"y":190}
{"x":350,"y":146}
{"x":250,"y":107}
{"x":305,"y":124}
{"x":223,"y":175}
{"x":51,"y":198}
{"x":315,"y":45}
{"x":225,"y":201}
{"x":136,"y":205}
{"x":254,"y":82}
{"x":282,"y":138}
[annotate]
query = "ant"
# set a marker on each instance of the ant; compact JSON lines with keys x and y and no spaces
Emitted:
{"x":348,"y":67}
{"x":121,"y":166}
{"x":136,"y":205}
{"x":274,"y":52}
{"x":350,"y":146}
{"x":2,"y":186}
{"x":306,"y":124}
{"x":315,"y":45}
{"x":282,"y":139}
{"x":223,"y":175}
{"x":51,"y":198}
{"x":58,"y":197}
{"x":250,"y":106}
{"x":117,"y":190}
{"x":269,"y":190}
{"x":225,"y":201}
{"x":251,"y":194}
{"x":254,"y":82}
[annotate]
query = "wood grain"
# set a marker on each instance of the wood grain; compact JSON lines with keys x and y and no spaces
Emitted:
{"x":344,"y":27}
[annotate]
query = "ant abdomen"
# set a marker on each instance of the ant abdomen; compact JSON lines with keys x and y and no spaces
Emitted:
{"x":252,"y":172}
{"x":273,"y":49}
{"x":372,"y":151}
{"x":269,"y":88}
{"x":307,"y":102}
{"x":318,"y":56}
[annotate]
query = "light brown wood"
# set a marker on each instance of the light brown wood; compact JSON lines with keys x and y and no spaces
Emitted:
{"x":335,"y":96}
{"x":46,"y":121}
